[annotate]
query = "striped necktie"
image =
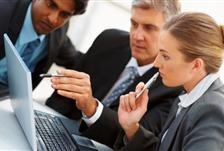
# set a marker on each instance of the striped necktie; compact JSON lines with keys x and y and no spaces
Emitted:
{"x":133,"y":73}
{"x":28,"y":51}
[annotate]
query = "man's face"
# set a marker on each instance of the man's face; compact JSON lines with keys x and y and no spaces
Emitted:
{"x":49,"y":15}
{"x":144,"y":34}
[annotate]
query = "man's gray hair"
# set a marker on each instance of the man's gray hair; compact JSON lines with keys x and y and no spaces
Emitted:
{"x":168,"y":7}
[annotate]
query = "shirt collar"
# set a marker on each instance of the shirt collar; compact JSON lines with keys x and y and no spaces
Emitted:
{"x":28,"y":32}
{"x":141,"y":69}
{"x":189,"y":98}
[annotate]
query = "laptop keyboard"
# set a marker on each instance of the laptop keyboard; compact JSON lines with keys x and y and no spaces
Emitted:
{"x":53,"y":133}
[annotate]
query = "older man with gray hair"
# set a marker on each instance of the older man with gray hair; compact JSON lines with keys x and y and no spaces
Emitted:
{"x":116,"y":62}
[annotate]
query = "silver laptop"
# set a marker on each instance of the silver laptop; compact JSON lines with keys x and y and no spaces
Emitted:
{"x":38,"y":127}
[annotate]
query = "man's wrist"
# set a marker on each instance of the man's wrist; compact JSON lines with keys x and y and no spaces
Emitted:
{"x":89,"y":121}
{"x":91,"y":108}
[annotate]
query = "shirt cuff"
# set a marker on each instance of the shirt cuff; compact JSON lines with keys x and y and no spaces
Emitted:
{"x":89,"y":121}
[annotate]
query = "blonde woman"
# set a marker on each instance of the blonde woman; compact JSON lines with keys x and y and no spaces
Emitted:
{"x":190,"y":55}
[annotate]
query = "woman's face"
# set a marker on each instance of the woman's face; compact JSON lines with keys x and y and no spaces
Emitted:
{"x":173,"y":68}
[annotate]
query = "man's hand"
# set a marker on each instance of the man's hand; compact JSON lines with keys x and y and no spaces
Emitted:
{"x":77,"y":86}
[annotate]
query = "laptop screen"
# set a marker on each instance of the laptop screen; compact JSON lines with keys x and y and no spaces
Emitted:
{"x":20,"y":91}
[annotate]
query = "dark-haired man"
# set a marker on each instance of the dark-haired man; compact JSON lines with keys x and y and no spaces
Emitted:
{"x":38,"y":29}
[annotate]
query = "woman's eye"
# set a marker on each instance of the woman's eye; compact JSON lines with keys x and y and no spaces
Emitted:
{"x":166,"y":57}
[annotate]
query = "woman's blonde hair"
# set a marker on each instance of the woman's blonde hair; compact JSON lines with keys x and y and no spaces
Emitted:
{"x":199,"y":36}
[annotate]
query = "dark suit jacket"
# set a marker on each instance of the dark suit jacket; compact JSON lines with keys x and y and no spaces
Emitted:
{"x":200,"y":126}
{"x":104,"y":62}
{"x":60,"y":49}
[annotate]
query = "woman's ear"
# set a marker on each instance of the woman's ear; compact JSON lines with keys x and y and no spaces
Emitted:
{"x":198,"y":64}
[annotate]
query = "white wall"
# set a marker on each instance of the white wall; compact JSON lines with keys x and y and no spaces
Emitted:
{"x":215,"y":8}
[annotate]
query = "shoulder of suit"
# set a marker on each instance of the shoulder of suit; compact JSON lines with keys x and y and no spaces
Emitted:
{"x":211,"y":102}
{"x":114,"y":33}
{"x":117,"y":31}
{"x":113,"y":36}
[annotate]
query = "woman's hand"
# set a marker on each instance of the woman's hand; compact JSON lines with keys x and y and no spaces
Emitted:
{"x":131,"y":111}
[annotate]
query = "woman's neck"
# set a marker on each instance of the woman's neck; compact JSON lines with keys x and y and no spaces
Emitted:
{"x":194,"y":80}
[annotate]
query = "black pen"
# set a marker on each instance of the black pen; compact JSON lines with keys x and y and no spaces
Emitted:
{"x":148,"y":84}
{"x":47,"y":75}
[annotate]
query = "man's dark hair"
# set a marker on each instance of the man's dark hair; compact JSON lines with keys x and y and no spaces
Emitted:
{"x":80,"y":6}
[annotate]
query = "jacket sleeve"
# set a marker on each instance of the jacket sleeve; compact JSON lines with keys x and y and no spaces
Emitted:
{"x":105,"y":129}
{"x":144,"y":140}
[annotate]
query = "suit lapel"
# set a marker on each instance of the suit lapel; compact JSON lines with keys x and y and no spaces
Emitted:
{"x":144,"y":78}
{"x":17,"y":20}
{"x":169,"y":138}
{"x":170,"y":118}
{"x":104,"y":71}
